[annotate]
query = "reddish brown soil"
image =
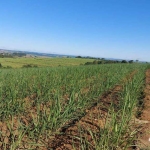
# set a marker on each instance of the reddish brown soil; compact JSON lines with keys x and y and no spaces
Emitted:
{"x":92,"y":121}
{"x":144,"y":134}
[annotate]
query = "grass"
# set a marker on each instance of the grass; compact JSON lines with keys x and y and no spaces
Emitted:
{"x":42,"y":62}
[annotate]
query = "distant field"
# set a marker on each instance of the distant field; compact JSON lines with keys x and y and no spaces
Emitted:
{"x":42,"y":62}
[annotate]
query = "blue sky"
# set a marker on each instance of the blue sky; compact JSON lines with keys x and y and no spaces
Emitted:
{"x":101,"y":28}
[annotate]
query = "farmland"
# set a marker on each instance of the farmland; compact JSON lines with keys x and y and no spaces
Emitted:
{"x":42,"y":62}
{"x":71,"y":107}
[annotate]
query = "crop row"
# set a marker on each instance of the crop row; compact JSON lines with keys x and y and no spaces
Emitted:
{"x":35,"y":103}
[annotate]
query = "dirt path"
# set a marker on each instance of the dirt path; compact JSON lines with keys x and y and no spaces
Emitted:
{"x":144,"y":134}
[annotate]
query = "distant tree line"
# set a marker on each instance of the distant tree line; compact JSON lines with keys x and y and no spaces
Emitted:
{"x":87,"y":57}
{"x":5,"y":55}
{"x":11,"y":55}
{"x":103,"y":61}
{"x":18,"y":54}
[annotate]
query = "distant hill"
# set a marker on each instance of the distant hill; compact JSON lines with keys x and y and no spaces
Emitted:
{"x":38,"y":54}
{"x":34,"y":53}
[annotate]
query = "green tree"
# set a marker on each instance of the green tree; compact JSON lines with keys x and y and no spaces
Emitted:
{"x":130,"y":61}
{"x":78,"y":57}
{"x":123,"y":61}
{"x":137,"y":61}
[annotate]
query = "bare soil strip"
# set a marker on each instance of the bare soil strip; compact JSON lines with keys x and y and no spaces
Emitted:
{"x":143,"y":142}
{"x":68,"y":138}
{"x":94,"y":120}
